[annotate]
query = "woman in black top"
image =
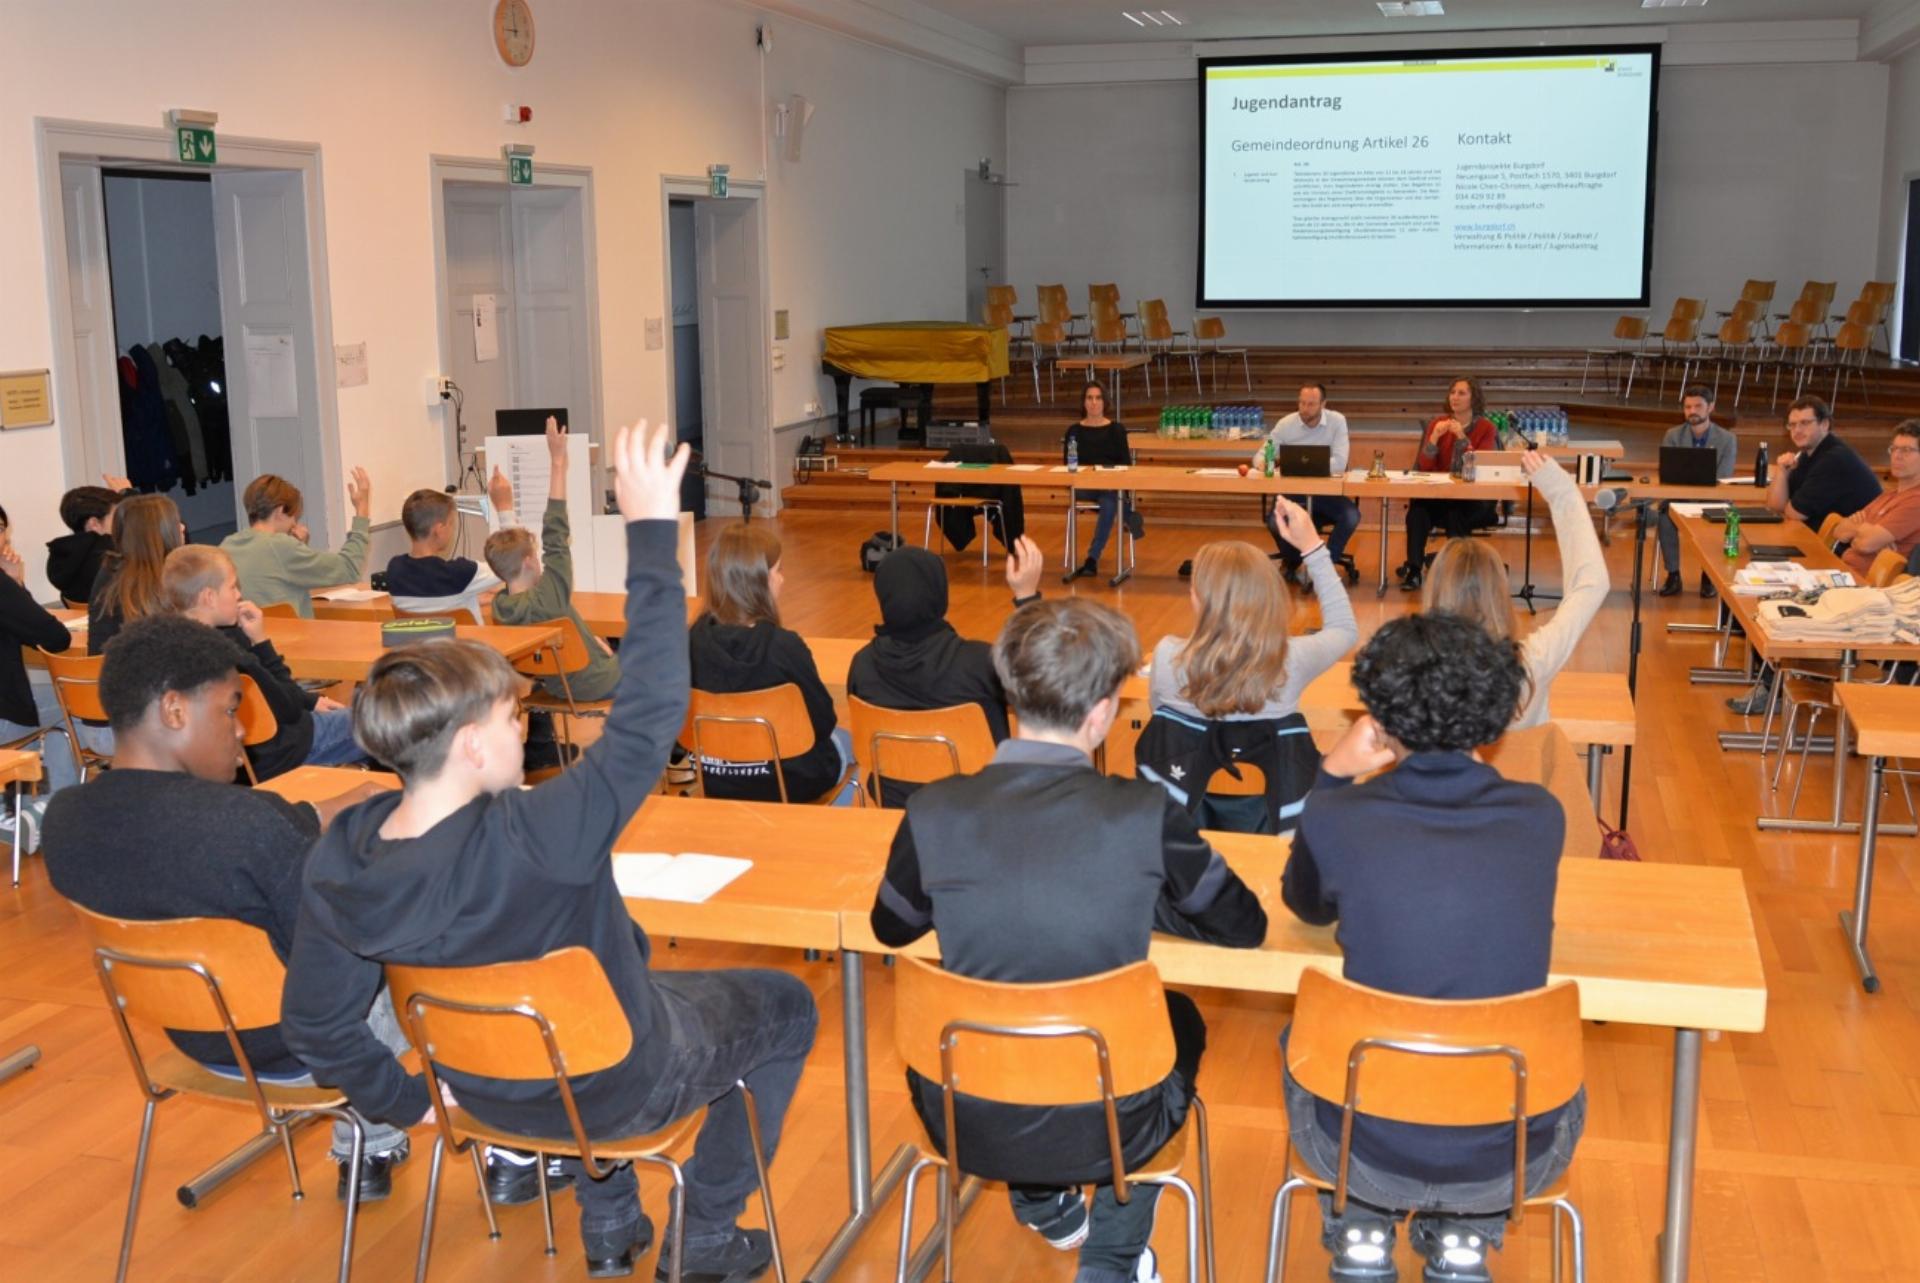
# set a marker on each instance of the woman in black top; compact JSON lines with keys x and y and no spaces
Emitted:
{"x":1102,"y":443}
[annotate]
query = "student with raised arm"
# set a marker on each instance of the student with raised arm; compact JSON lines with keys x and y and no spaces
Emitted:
{"x":465,"y":867}
{"x":272,"y":555}
{"x":1470,"y":580}
{"x":539,"y":581}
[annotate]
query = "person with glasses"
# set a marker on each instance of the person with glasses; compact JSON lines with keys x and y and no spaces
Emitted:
{"x":1893,"y":519}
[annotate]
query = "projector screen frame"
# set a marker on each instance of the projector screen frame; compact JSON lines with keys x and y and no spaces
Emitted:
{"x":1643,"y":299}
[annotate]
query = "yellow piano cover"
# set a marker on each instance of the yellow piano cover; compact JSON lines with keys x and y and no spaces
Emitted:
{"x":919,"y":351}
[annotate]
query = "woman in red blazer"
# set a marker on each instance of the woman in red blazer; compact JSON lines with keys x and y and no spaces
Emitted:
{"x":1463,"y":426}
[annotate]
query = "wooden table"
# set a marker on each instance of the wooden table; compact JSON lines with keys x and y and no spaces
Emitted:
{"x":1708,"y":539}
{"x":1886,"y":720}
{"x":604,"y":613}
{"x":1671,"y":946}
{"x":339,"y":650}
{"x":1409,"y":485}
{"x":324,"y":783}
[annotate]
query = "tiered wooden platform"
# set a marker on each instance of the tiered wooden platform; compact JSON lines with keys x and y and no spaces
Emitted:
{"x":1385,"y":394}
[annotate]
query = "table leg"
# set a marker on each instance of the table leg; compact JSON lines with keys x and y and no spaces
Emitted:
{"x":893,"y":509}
{"x":1682,"y":1132}
{"x":1386,"y":506}
{"x":1597,"y":773}
{"x":842,"y":390}
{"x":1854,"y":921}
{"x":864,"y":1194}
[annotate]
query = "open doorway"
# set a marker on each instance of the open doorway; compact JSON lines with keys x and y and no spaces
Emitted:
{"x":684,"y":317}
{"x":139,"y":258}
{"x":723,"y":278}
{"x":165,"y":284}
{"x":1907,"y":341}
{"x":526,"y":254}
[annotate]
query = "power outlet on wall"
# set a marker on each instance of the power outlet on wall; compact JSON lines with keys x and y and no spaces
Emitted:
{"x":811,"y":409}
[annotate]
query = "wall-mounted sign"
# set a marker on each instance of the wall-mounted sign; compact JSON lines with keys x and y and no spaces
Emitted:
{"x":26,"y":399}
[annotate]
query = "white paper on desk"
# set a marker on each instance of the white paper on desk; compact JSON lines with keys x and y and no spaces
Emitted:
{"x":1110,"y":467}
{"x":349,"y":594}
{"x":1059,"y":467}
{"x":1025,"y":467}
{"x":1735,"y":481}
{"x":486,"y":328}
{"x":687,"y":878}
{"x":1216,"y":472}
{"x":943,"y":463}
{"x":1690,"y":509}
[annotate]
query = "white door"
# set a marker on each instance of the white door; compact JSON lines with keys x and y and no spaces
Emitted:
{"x":732,"y":347}
{"x":90,"y":290}
{"x":479,"y":247}
{"x":266,"y":307}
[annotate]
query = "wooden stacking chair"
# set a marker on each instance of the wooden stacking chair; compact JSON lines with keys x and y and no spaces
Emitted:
{"x":752,"y":726}
{"x":554,"y":1018}
{"x":1107,"y":298}
{"x":556,"y":661}
{"x":206,"y":975}
{"x":915,"y":746}
{"x":1681,"y":336}
{"x":1446,"y":1064}
{"x":1164,"y":343}
{"x":20,"y":767}
{"x":1000,"y":316}
{"x":76,"y":685}
{"x":1850,"y":347}
{"x":1050,"y":336}
{"x":1631,"y":330}
{"x":1208,"y":331}
{"x":1054,"y":307}
{"x":257,"y":723}
{"x":1089,"y":1041}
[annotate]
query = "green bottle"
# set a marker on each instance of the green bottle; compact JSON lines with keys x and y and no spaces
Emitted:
{"x":1732,"y":547}
{"x":1266,"y":458}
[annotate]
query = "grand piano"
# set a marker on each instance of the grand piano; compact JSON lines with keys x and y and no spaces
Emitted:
{"x":915,"y":354}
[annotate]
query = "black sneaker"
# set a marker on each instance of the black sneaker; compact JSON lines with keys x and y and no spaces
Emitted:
{"x":1066,"y":1224}
{"x":1751,"y":704}
{"x":1363,"y":1252}
{"x":605,"y":1261}
{"x":1456,"y":1253}
{"x":1670,"y":586}
{"x":1135,"y":525}
{"x":745,"y":1256}
{"x":1706,"y":586}
{"x":376,"y":1176}
{"x":512,"y":1180}
{"x":1088,"y":569}
{"x":680,"y":770}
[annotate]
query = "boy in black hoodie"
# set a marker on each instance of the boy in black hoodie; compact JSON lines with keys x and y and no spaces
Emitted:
{"x":200,"y":583}
{"x":467,"y":868}
{"x":73,"y":560}
{"x":916,"y":659}
{"x":1041,"y":869}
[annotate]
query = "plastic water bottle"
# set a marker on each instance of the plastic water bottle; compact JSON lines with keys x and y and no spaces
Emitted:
{"x":1561,"y":425}
{"x":1468,"y":470}
{"x":1073,"y":453}
{"x":1732,"y":546}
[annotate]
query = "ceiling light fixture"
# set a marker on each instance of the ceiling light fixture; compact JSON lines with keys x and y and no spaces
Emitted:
{"x":1411,"y":9}
{"x":1130,"y":18}
{"x":1153,"y":18}
{"x":1673,"y":4}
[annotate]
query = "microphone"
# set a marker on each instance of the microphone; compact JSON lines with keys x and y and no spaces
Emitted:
{"x":1609,"y":498}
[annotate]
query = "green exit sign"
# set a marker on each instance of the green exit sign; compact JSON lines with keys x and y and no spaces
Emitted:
{"x":520,"y":170}
{"x":194,"y":145}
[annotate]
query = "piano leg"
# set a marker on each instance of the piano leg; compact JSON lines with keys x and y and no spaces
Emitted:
{"x":985,"y":393}
{"x":924,"y":415}
{"x":842,"y":389}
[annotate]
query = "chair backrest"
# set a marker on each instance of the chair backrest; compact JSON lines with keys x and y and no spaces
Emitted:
{"x":1827,"y":524}
{"x":454,"y":615}
{"x":570,"y":656}
{"x":76,"y":684}
{"x":1003,"y":295}
{"x":749,"y":726}
{"x":257,"y":722}
{"x":158,"y":972}
{"x":1042,"y":1053}
{"x":1737,"y":331}
{"x":1104,"y":294}
{"x":1757,"y":291}
{"x":1108,"y":327}
{"x":1252,"y":782}
{"x":1688,"y":309}
{"x":1209,"y":328}
{"x":918,"y":746}
{"x":1851,"y":337}
{"x":1793,"y":335}
{"x":1879,"y":293}
{"x":1822,"y":291}
{"x":1053,"y":303}
{"x":1049,"y":333}
{"x":998,"y":315}
{"x":493,"y":1021}
{"x":1888,"y":566}
{"x":285,"y":610}
{"x":1630,"y":329}
{"x":1807,"y":311}
{"x":1335,"y":1051}
{"x":1747,"y":309}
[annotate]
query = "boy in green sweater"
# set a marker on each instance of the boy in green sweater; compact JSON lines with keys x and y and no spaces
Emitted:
{"x":536,"y":594}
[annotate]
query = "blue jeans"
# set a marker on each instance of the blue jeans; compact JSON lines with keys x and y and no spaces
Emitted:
{"x":56,"y":755}
{"x":722,"y":1027}
{"x":843,"y":744}
{"x":1338,"y":510}
{"x":1109,"y":503}
{"x":333,"y":743}
{"x":381,"y":1138}
{"x":1374,"y":1193}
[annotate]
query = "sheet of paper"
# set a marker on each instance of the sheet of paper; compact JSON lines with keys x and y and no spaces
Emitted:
{"x":486,"y":328}
{"x":1216,"y":472}
{"x":941,"y":463}
{"x":1025,"y":467}
{"x":349,"y":594}
{"x":272,"y":386}
{"x":633,"y":870}
{"x":1689,"y":509}
{"x":1736,"y":481}
{"x":524,"y":460}
{"x":350,"y":364}
{"x":690,"y":878}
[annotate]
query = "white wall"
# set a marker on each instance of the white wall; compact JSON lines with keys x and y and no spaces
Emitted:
{"x":1762,"y":171}
{"x":166,"y":284}
{"x":864,"y":228}
{"x":1902,"y":163}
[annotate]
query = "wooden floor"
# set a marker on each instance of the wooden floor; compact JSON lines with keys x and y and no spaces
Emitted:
{"x":1809,"y":1167}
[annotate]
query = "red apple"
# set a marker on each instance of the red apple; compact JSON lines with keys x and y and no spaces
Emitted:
{"x":1245,"y":468}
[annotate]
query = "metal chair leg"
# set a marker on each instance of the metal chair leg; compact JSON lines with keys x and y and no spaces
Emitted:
{"x":1806,"y":746}
{"x":677,"y":1215}
{"x":355,"y":1153}
{"x":949,"y":1190}
{"x":1277,"y":1227}
{"x":293,"y":1164}
{"x":1786,"y":741}
{"x":766,"y":1187}
{"x":432,"y":1205}
{"x":909,"y":1187}
{"x":133,"y":1195}
{"x":1193,"y":1221}
{"x":1206,"y":1191}
{"x":546,"y":1199}
{"x":480,"y":1176}
{"x":1579,"y":1239}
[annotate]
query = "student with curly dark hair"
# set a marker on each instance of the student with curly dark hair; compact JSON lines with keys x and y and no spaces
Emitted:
{"x":1457,"y":905}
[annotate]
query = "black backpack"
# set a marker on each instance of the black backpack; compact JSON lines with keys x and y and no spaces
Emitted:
{"x":1181,"y":753}
{"x":882,"y":543}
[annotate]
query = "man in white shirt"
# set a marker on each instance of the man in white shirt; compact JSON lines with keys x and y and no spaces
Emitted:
{"x":1314,"y":424}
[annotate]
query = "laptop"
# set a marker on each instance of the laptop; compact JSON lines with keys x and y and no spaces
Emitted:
{"x":1306,"y":461}
{"x":526,"y":423}
{"x":1685,"y":465}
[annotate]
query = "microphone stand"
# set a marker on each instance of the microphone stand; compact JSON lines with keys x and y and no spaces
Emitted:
{"x":1641,"y":508}
{"x":747,"y":488}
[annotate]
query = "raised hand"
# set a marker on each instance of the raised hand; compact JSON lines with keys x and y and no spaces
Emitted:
{"x":556,"y":440}
{"x":646,"y":478}
{"x":1025,"y":564}
{"x":1532,"y":461}
{"x":360,"y":493}
{"x":500,"y":491}
{"x":1294,"y":524}
{"x":10,"y":561}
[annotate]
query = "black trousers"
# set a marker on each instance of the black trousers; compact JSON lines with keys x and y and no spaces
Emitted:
{"x":1457,"y":517}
